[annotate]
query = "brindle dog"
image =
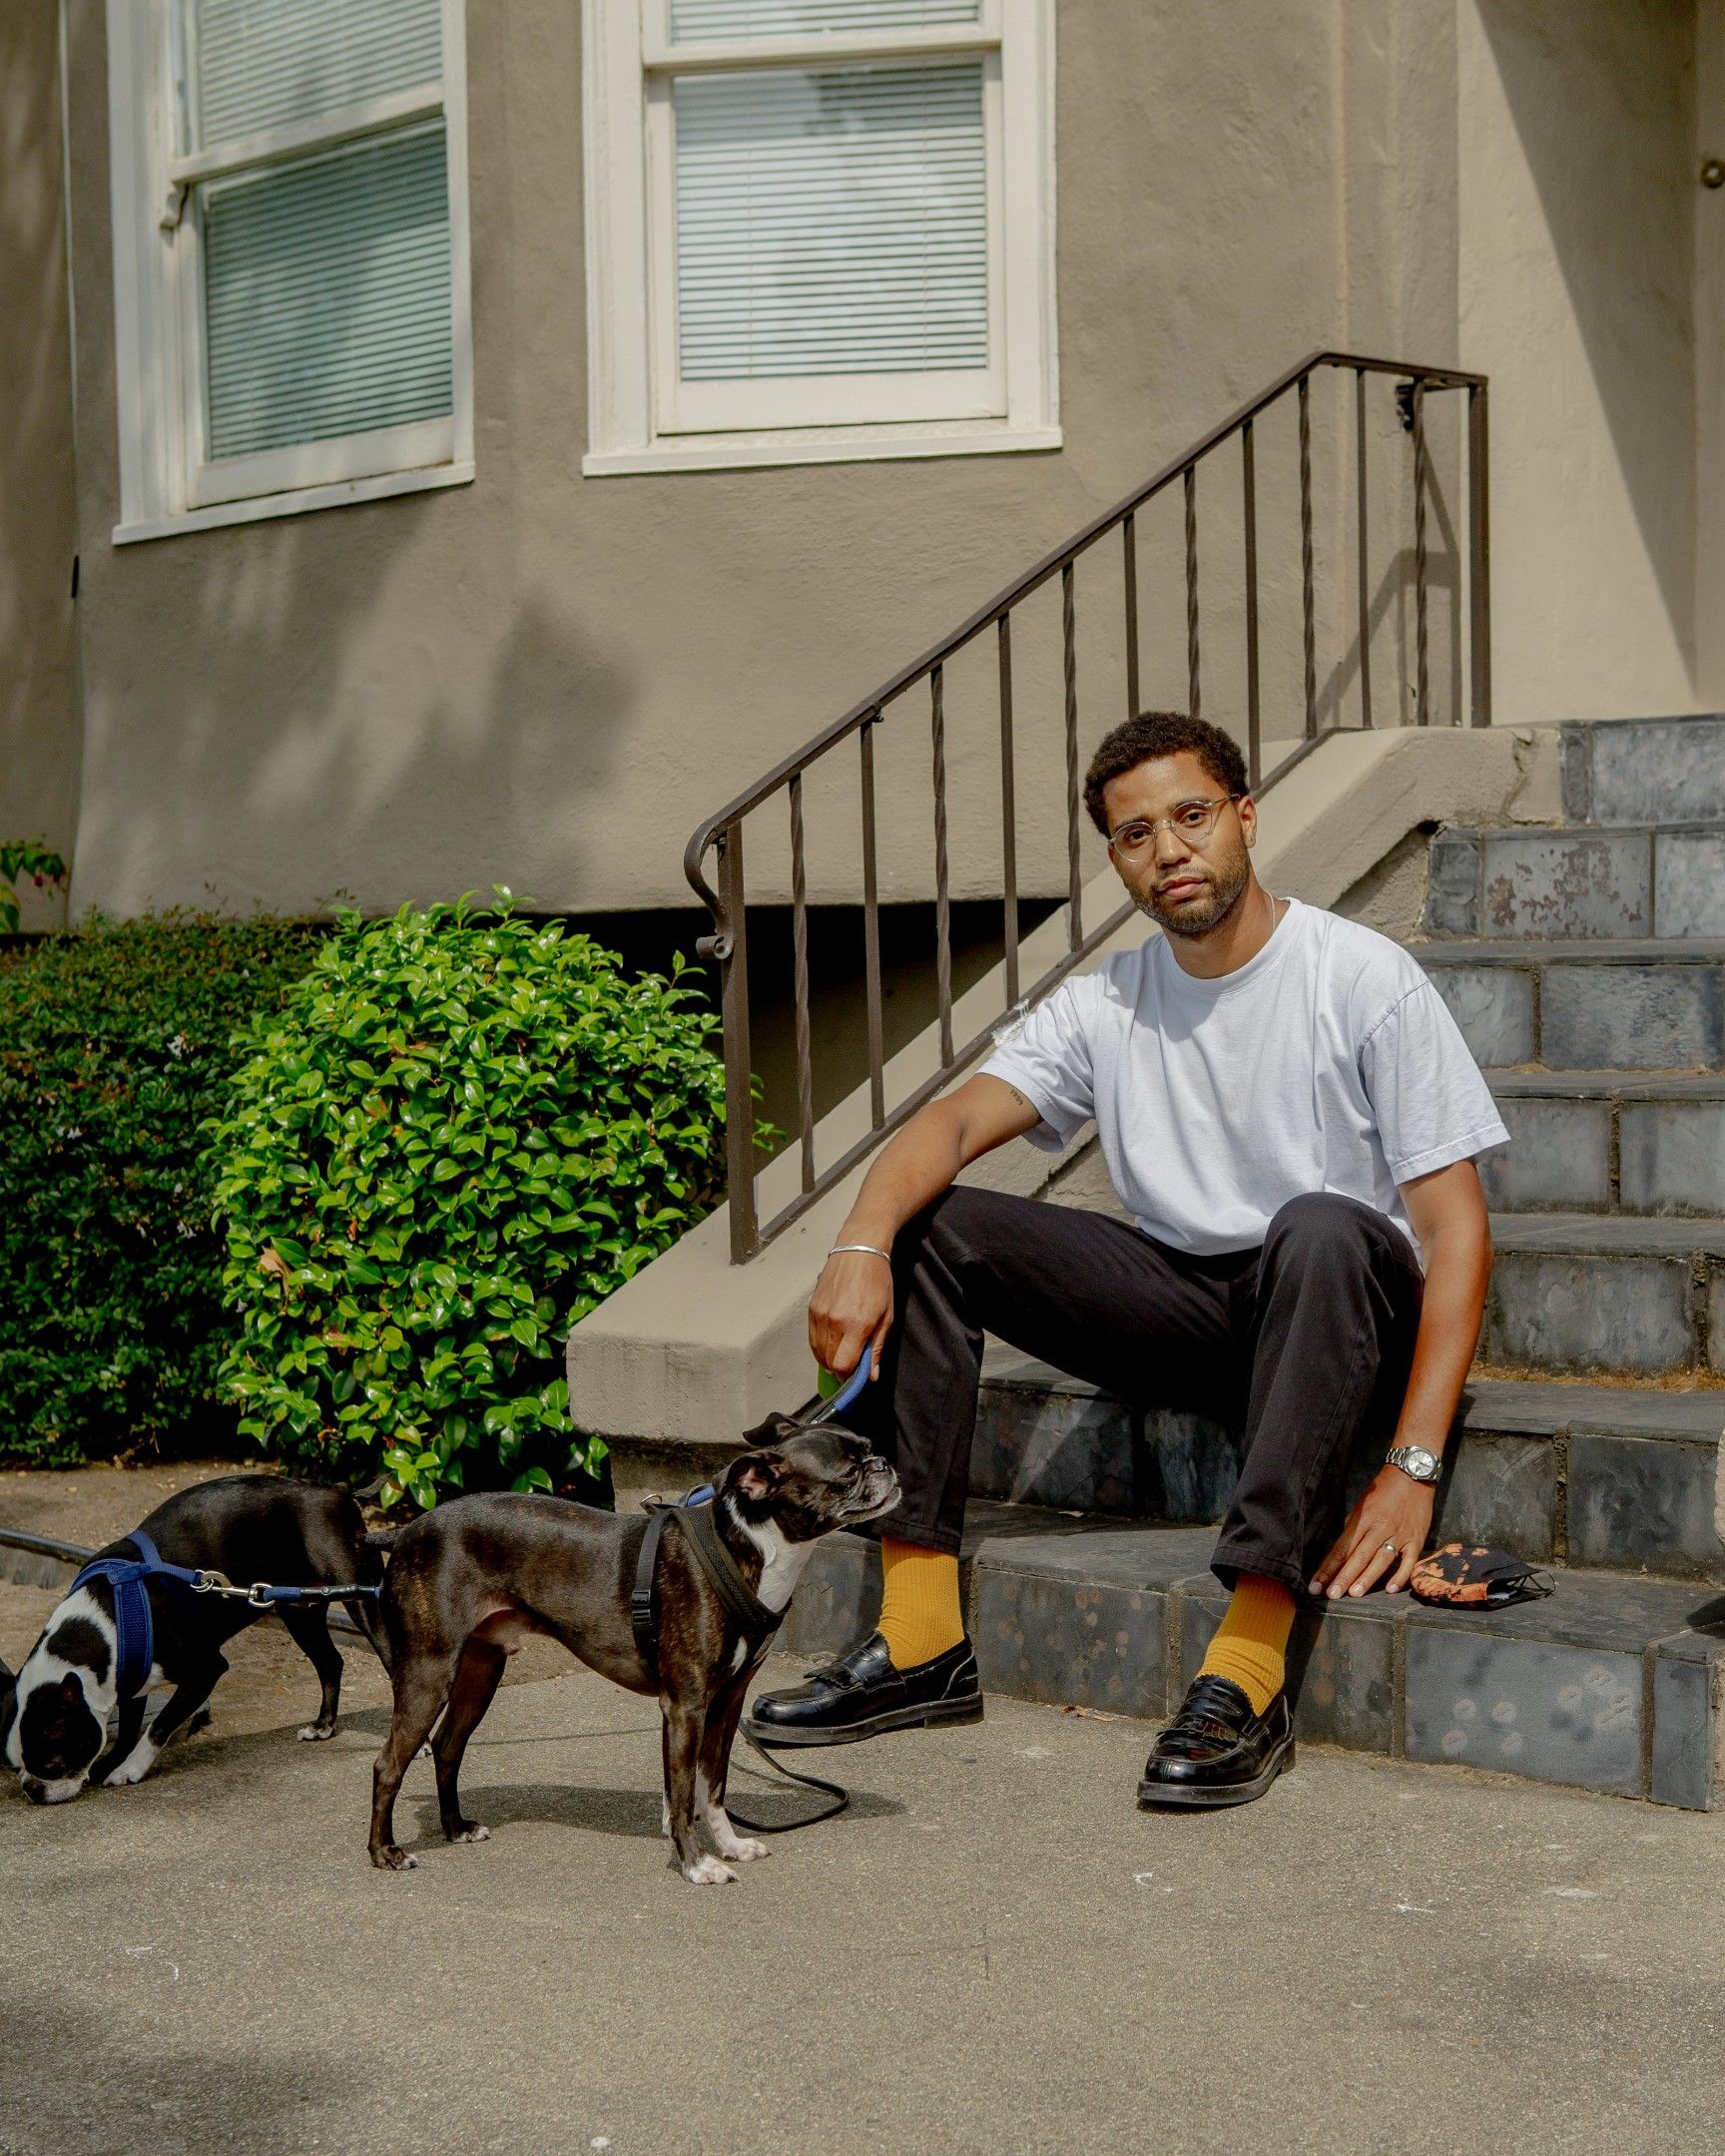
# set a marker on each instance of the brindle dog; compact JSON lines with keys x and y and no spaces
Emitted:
{"x":467,"y":1583}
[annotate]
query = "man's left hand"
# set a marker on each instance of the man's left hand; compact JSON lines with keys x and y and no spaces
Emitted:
{"x":1381,"y":1544}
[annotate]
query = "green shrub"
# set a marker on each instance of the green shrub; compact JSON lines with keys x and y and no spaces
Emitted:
{"x":463,"y":1131}
{"x":112,"y":1044}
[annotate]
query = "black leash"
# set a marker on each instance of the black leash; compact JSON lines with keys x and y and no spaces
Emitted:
{"x":759,"y":1623}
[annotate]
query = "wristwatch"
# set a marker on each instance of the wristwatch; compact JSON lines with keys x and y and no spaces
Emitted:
{"x":1414,"y":1461}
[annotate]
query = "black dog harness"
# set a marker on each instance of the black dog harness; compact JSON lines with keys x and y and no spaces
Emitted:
{"x":757,"y":1621}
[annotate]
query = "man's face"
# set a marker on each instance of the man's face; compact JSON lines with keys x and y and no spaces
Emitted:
{"x":1189,"y":883}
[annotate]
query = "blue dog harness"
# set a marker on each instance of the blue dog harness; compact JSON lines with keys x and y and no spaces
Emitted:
{"x":134,"y":1626}
{"x":134,"y":1623}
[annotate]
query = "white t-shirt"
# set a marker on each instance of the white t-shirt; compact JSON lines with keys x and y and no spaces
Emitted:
{"x":1328,"y":1062}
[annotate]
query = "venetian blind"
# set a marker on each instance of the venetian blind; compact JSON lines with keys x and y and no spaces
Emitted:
{"x":327,"y":295}
{"x":693,"y":21}
{"x":258,"y":64}
{"x":830,"y":220}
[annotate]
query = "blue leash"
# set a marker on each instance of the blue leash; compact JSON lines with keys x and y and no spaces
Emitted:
{"x":846,"y":1395}
{"x":134,"y":1623}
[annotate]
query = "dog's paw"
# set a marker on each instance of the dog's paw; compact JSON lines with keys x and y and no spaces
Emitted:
{"x":388,"y":1857}
{"x":470,"y":1831}
{"x":709,"y":1872}
{"x":317,"y":1732}
{"x":128,"y":1772}
{"x":744,"y":1848}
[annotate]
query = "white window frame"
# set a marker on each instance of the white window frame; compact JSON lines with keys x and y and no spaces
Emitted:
{"x":167,"y":482}
{"x":641,"y":418}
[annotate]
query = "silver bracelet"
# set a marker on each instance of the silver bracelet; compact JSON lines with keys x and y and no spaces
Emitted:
{"x":872,"y":1248}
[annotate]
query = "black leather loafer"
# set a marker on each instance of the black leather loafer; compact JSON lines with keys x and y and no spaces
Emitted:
{"x":861,"y":1693}
{"x":1216,"y":1751}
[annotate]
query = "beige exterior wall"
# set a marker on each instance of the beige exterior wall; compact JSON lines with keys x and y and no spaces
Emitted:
{"x":39,"y":746}
{"x":547,"y":680}
{"x":1578,"y":213}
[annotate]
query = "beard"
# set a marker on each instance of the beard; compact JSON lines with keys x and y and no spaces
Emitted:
{"x":1207,"y":909}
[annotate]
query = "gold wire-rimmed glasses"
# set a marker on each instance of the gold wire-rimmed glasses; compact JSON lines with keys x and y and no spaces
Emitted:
{"x":1191,"y":823}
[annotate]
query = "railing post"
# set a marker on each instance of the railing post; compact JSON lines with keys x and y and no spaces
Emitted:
{"x":1478,"y":555}
{"x":1309,"y":615}
{"x":872,"y":932}
{"x":1008,"y":817}
{"x":1192,"y":676}
{"x":1365,"y":572}
{"x":1249,"y":485}
{"x":942,"y":895}
{"x":1069,"y":668}
{"x":731,"y":947}
{"x":1422,"y":661}
{"x":1130,"y":541}
{"x":799,"y":986}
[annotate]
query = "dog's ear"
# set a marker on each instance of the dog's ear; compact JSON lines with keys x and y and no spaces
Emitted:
{"x":756,"y":1475}
{"x":774,"y":1431}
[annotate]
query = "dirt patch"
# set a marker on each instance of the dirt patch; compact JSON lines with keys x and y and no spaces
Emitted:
{"x":93,"y":1505}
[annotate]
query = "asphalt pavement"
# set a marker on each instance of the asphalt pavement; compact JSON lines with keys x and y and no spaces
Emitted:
{"x":993,"y":1951}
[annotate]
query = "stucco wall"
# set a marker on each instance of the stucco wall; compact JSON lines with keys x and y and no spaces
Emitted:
{"x":38,"y":665}
{"x":1579,"y":198}
{"x":547,"y":680}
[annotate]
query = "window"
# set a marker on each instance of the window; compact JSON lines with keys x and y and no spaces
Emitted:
{"x":291,"y":255}
{"x":818,"y":229}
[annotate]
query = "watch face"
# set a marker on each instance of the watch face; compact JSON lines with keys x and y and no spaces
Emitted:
{"x":1416,"y":1462}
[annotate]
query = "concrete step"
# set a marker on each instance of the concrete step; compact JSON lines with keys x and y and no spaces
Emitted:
{"x":1645,"y":771}
{"x":1575,"y":1293}
{"x":1608,"y":1142}
{"x":1667,"y":882}
{"x":1608,"y":1685}
{"x":1609,"y":1476}
{"x":1634,"y":1004}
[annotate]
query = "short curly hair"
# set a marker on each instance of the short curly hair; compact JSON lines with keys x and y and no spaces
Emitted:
{"x":1161,"y":734}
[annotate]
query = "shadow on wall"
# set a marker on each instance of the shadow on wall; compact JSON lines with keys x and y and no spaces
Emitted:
{"x":1600,"y":94}
{"x":406,"y":769}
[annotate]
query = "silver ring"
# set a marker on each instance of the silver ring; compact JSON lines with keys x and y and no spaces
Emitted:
{"x":1391,"y":1547}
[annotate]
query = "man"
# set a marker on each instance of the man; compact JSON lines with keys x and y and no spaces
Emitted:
{"x":1289,"y":1116}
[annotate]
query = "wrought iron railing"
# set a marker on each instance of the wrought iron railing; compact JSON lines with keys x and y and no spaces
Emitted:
{"x":723,"y":833}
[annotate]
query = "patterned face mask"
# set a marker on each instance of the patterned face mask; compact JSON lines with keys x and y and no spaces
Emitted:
{"x":1460,"y":1576}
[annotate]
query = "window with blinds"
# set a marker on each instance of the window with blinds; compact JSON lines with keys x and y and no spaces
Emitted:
{"x":299,"y":308}
{"x":826,"y":229}
{"x":325,"y":274}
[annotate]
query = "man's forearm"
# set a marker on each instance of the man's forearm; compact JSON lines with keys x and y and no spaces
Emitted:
{"x":1458,"y":1271}
{"x":914,"y":1168}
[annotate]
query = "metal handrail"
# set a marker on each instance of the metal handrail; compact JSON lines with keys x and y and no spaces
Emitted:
{"x":721,"y":832}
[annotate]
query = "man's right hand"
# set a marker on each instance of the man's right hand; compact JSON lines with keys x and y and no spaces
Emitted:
{"x":850,"y":1312}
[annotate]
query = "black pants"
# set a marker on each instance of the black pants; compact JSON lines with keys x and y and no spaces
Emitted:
{"x":1306,"y":1342}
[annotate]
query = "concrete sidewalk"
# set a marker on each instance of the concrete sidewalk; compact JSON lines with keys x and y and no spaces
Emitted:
{"x":992,"y":1952}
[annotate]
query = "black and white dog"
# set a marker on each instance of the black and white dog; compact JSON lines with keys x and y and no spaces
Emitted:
{"x":471,"y":1580}
{"x":67,"y":1723}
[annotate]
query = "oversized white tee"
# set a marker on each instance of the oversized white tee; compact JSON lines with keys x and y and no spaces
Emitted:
{"x":1328,"y":1062}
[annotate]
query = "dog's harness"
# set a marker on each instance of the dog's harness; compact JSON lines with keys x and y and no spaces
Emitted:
{"x":134,"y":1621}
{"x":707,"y":1545}
{"x":757,"y":1622}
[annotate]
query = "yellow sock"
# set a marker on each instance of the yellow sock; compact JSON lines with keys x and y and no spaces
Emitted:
{"x":919,"y":1613}
{"x":1251,"y":1644}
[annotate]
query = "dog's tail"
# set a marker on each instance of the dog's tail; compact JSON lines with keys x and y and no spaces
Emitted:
{"x":383,"y":1538}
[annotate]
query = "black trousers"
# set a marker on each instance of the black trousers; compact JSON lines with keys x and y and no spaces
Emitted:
{"x":1306,"y":1342}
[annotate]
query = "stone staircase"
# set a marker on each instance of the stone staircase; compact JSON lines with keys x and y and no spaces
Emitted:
{"x":1586,"y":966}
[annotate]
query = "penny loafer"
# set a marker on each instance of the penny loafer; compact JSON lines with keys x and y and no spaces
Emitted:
{"x":1216,"y":1751}
{"x":861,"y":1693}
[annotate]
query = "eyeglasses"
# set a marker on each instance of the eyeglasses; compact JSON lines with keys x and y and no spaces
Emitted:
{"x":1191,"y":823}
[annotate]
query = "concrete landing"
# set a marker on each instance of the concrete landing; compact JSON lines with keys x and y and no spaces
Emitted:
{"x":993,"y":1954}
